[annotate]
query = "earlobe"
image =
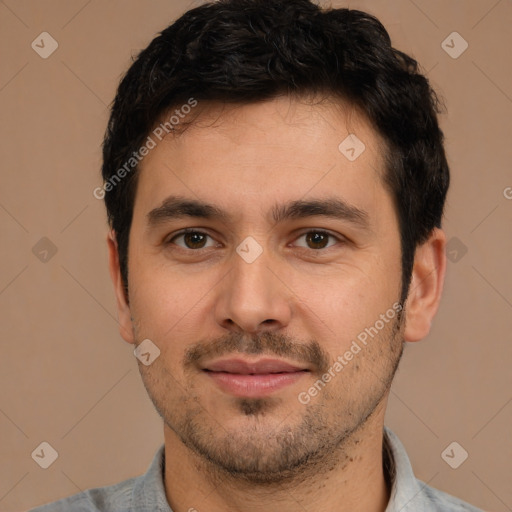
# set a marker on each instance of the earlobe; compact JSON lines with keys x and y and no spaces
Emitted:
{"x":426,"y":286}
{"x":123,"y":309}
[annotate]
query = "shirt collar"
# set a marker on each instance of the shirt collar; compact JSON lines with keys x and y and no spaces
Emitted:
{"x":149,"y":491}
{"x":404,"y":485}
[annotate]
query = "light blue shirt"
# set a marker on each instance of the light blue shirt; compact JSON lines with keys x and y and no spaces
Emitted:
{"x":146,"y":493}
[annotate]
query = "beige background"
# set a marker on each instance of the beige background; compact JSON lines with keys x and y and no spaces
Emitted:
{"x":67,"y":377}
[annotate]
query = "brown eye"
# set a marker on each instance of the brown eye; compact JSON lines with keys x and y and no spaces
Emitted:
{"x":191,"y":239}
{"x":317,"y":239}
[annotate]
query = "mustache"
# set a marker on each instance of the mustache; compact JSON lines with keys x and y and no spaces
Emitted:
{"x":266,"y":344}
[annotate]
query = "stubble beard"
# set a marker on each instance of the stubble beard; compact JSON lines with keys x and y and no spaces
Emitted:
{"x":268,"y":450}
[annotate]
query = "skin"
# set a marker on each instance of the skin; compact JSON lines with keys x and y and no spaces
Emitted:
{"x":303,"y":300}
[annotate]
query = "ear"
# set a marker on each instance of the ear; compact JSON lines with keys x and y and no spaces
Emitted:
{"x":123,"y":309}
{"x":426,"y":286}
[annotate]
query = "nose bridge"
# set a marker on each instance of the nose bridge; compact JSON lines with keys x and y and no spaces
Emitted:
{"x":251,"y":274}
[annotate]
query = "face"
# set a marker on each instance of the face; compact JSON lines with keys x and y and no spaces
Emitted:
{"x":289,"y":270}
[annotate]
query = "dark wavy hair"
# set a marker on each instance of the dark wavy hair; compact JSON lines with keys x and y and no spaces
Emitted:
{"x":243,"y":51}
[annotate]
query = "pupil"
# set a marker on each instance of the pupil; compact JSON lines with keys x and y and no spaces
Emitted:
{"x":317,"y":238}
{"x":194,"y":239}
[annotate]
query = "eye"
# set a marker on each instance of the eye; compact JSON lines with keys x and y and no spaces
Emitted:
{"x":317,"y":239}
{"x":192,"y":238}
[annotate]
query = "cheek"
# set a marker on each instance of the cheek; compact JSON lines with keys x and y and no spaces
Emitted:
{"x":340,"y":306}
{"x":168,"y":305}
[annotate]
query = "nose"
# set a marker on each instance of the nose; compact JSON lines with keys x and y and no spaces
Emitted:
{"x":253,"y":297}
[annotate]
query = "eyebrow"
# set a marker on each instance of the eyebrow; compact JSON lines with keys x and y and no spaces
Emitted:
{"x":176,"y":207}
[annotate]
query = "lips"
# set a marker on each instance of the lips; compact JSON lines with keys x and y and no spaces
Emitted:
{"x":260,"y":367}
{"x":248,"y":379}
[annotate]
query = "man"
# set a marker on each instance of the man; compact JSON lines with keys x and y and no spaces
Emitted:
{"x":274,"y":176}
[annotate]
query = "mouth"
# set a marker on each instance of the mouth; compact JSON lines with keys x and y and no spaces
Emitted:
{"x":259,"y":378}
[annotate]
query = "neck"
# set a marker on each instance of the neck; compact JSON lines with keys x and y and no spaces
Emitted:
{"x":351,"y":480}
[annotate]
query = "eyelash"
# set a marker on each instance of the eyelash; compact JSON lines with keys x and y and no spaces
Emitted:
{"x":198,"y":231}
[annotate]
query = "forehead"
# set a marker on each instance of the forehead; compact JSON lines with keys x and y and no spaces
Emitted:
{"x":244,"y":157}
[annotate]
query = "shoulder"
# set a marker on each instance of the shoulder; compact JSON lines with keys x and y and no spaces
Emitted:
{"x":114,"y":498}
{"x":441,"y":501}
{"x":408,"y":494}
{"x":143,"y":493}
